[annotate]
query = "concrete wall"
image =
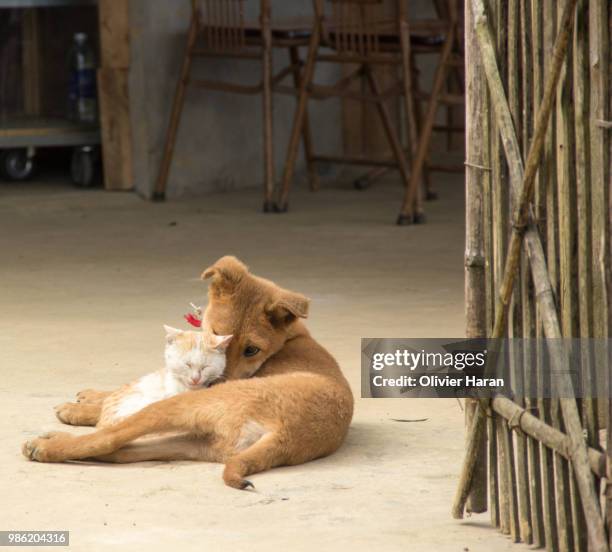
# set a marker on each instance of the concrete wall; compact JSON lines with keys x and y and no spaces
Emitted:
{"x":219,"y":145}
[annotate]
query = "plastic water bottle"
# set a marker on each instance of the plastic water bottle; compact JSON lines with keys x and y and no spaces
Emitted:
{"x":82,"y":88}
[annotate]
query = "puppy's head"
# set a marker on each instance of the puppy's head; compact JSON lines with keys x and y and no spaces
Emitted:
{"x":259,"y":314}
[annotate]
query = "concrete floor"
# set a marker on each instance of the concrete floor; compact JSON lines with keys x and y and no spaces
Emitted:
{"x":87,"y":280}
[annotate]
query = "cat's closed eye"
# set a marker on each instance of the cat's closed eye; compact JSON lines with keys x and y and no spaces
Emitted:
{"x":188,"y":364}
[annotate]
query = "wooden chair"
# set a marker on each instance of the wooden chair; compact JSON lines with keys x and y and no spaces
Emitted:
{"x":450,"y":60}
{"x":358,"y":32}
{"x":451,"y":95}
{"x":218,"y":29}
{"x":357,"y":35}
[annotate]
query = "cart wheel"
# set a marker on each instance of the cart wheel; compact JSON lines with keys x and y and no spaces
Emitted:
{"x":82,"y":168}
{"x":16,"y":164}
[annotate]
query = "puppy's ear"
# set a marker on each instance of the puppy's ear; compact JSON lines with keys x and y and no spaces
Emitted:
{"x":226,"y":273}
{"x":287,"y":308}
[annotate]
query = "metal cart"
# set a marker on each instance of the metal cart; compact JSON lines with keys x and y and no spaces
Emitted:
{"x":20,"y":136}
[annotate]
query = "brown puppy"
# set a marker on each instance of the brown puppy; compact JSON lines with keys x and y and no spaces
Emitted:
{"x":286,"y":403}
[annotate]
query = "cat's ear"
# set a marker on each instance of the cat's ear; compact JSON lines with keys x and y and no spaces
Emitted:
{"x":226,"y":273}
{"x":172,"y":333}
{"x":221,"y":342}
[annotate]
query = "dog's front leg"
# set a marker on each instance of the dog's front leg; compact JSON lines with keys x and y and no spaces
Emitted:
{"x":159,"y":417}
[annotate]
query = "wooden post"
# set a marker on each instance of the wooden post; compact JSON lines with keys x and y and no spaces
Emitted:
{"x":475,"y":289}
{"x":113,"y":92}
{"x":600,"y":141}
{"x":31,"y":62}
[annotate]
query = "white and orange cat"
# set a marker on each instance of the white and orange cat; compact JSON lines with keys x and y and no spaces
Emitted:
{"x":193,"y":360}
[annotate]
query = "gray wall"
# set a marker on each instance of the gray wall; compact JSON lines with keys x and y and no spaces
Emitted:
{"x":219,"y":145}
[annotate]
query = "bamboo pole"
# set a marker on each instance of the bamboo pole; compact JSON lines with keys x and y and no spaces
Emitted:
{"x":597,"y":538}
{"x":508,"y":456}
{"x":532,"y":460}
{"x":600,"y":143}
{"x":519,"y":418}
{"x":578,"y":450}
{"x":581,"y":295}
{"x":501,"y":200}
{"x":599,"y":74}
{"x":489,"y":298}
{"x":493,"y":470}
{"x":521,"y":498}
{"x":599,"y":148}
{"x":517,"y":175}
{"x":582,"y":145}
{"x":566,"y":499}
{"x":472,"y":55}
{"x":562,"y":487}
{"x":551,"y":482}
{"x":606,"y":50}
{"x":499,"y":207}
{"x":537,"y":45}
{"x":547,"y":518}
{"x":475,"y":288}
{"x":548,"y":476}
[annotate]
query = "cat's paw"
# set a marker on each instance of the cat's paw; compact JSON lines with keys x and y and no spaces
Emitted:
{"x":91,"y":396}
{"x":87,"y":395}
{"x":49,"y":447}
{"x":67,"y":413}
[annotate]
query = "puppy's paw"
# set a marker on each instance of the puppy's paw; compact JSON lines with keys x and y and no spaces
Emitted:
{"x":50,"y":447}
{"x":239,"y":483}
{"x":67,"y":413}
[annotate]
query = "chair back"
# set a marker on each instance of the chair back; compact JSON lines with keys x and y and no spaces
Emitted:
{"x":351,"y":26}
{"x":221,"y":23}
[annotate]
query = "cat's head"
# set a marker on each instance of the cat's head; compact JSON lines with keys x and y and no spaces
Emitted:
{"x":261,"y":315}
{"x":195,"y":358}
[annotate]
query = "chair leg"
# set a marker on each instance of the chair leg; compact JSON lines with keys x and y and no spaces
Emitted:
{"x":458,"y":77}
{"x":159,"y":192}
{"x":414,"y":117}
{"x":426,"y":189}
{"x":267,"y":112}
{"x":409,"y":101}
{"x":313,"y":176}
{"x":429,"y":192}
{"x":410,"y":193}
{"x":298,"y":120}
{"x":392,"y":137}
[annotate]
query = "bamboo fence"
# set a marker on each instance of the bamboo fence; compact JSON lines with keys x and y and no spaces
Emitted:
{"x":538,"y":154}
